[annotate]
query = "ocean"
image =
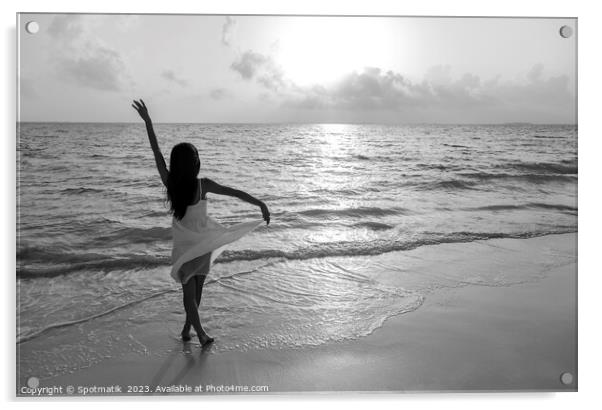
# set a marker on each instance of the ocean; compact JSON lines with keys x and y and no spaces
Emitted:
{"x":94,"y":238}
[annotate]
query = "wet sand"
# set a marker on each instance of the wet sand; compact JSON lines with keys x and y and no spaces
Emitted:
{"x":520,"y":337}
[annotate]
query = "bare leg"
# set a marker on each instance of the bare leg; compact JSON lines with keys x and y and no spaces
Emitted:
{"x":192,"y":313}
{"x":199,"y":281}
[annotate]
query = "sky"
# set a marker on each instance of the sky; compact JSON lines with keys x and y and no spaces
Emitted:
{"x":308,"y":69}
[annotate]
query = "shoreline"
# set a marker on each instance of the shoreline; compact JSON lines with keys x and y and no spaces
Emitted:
{"x":516,"y":337}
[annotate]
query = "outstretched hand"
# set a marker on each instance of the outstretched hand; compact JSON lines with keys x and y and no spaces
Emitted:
{"x":266,"y":213}
{"x":142,"y":110}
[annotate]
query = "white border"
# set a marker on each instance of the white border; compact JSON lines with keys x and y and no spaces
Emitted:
{"x":590,"y":286}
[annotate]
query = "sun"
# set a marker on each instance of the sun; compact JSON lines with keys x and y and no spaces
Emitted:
{"x":323,"y":49}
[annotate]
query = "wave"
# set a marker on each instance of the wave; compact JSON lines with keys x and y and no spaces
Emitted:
{"x":374,"y":226}
{"x":353,"y":212}
{"x":531,"y":205}
{"x":456,"y":146}
{"x":530,"y":171}
{"x":152,"y":214}
{"x":60,"y":255}
{"x":359,"y":157}
{"x":377,"y":247}
{"x":71,"y":263}
{"x":136,"y":235}
{"x":531,"y":178}
{"x":542,"y":167}
{"x":81,"y":190}
{"x":335,"y":192}
{"x":102,"y":231}
{"x":439,"y":167}
{"x":293,"y":224}
{"x":547,"y":137}
{"x":447,"y":185}
{"x":21,"y":338}
{"x":33,"y":335}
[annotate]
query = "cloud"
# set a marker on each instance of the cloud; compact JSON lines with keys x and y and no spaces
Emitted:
{"x":369,"y":89}
{"x":228,"y":31}
{"x":249,"y":63}
{"x":438,"y":96}
{"x":81,"y":59}
{"x":101,"y":69}
{"x":535,"y":73}
{"x":219,"y":93}
{"x":66,"y":27}
{"x":172,"y":77}
{"x":252,"y":65}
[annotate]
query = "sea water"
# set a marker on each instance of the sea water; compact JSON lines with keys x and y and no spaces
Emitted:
{"x":94,"y":238}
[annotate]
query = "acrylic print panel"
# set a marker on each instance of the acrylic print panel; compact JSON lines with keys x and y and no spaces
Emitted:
{"x":419,"y":175}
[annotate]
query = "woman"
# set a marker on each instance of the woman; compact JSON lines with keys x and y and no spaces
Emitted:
{"x":198,"y":238}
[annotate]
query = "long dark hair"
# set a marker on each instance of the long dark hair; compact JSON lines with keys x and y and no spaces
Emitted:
{"x":182,"y":182}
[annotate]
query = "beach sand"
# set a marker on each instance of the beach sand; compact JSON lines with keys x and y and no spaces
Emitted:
{"x":518,"y":337}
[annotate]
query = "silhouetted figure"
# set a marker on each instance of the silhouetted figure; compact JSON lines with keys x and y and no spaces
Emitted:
{"x":196,"y":234}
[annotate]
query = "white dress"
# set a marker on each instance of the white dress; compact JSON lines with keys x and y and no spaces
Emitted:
{"x":198,"y":239}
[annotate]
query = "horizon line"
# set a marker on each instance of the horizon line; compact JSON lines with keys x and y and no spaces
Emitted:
{"x":304,"y":123}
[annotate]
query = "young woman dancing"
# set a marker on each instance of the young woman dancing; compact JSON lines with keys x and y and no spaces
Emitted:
{"x":198,"y":238}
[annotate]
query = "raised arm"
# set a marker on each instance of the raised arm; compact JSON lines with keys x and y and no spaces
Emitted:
{"x":208,"y":185}
{"x":159,"y":160}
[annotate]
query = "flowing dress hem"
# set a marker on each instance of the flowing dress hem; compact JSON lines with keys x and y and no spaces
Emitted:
{"x":214,"y":245}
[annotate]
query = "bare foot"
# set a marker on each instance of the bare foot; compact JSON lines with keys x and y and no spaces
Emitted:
{"x":186,"y":334}
{"x":205,"y":339}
